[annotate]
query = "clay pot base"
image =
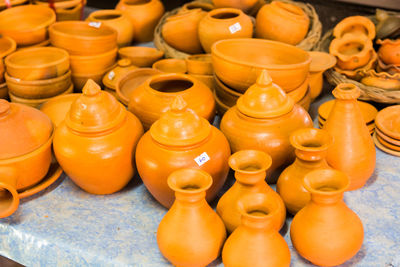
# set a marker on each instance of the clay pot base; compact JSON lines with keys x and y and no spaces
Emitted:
{"x":383,"y":148}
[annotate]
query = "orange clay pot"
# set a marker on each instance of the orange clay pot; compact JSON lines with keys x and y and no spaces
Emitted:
{"x":181,"y":139}
{"x":256,"y":242}
{"x":119,"y":21}
{"x":389,"y":52}
{"x":320,"y":62}
{"x":57,"y":108}
{"x":171,"y":65}
{"x":353,"y":150}
{"x":95,"y":144}
{"x":263,"y":119}
{"x":207,"y":7}
{"x":224,"y":23}
{"x":191,"y":233}
{"x":156,"y":94}
{"x":311,"y":148}
{"x":112,"y":77}
{"x":181,"y":31}
{"x":245,"y":5}
{"x":250,"y":168}
{"x":144,"y":15}
{"x":358,"y":25}
{"x":282,"y":22}
{"x":326,"y":232}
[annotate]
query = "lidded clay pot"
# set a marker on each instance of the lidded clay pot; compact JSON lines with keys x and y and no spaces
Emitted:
{"x":263,"y":119}
{"x":358,"y":25}
{"x":250,"y":168}
{"x":191,"y":233}
{"x":326,"y":232}
{"x":256,"y":242}
{"x":95,"y":144}
{"x":311,"y":148}
{"x":181,"y":139}
{"x":353,"y":150}
{"x":112,"y":77}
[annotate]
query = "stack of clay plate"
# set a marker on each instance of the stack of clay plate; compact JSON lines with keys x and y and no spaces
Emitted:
{"x":7,"y":46}
{"x":387,"y":132}
{"x":369,"y":113}
{"x":35,"y":75}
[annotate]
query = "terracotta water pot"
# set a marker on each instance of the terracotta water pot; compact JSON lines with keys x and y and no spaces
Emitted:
{"x":353,"y":150}
{"x":112,"y":77}
{"x":199,"y":64}
{"x":95,"y":144}
{"x":320,"y":62}
{"x":326,"y":217}
{"x":256,"y":242}
{"x":181,"y":139}
{"x":57,"y":108}
{"x":263,"y":119}
{"x":389,"y":52}
{"x":282,"y":22}
{"x":141,"y":56}
{"x":244,"y":5}
{"x":191,"y":233}
{"x":311,"y":148}
{"x":250,"y":168}
{"x":171,"y":65}
{"x":358,"y":25}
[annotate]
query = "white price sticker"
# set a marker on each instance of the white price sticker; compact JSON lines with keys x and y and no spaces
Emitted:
{"x":235,"y":27}
{"x":95,"y":24}
{"x":111,"y":75}
{"x":203,"y":158}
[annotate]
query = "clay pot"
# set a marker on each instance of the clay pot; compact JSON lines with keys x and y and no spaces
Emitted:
{"x":320,"y":62}
{"x":326,"y":217}
{"x":256,"y":242}
{"x":181,"y":139}
{"x":191,"y":233}
{"x":199,"y":64}
{"x":3,"y":4}
{"x":181,"y":31}
{"x":311,"y":147}
{"x":93,"y":63}
{"x":111,"y":78}
{"x":357,"y":74}
{"x":144,"y":15}
{"x":141,"y":56}
{"x":224,"y":23}
{"x":25,"y":140}
{"x":207,"y":7}
{"x":389,"y":52}
{"x":95,"y":144}
{"x":171,"y":65}
{"x":347,"y":127}
{"x":244,"y":5}
{"x":358,"y":25}
{"x":282,"y":22}
{"x":26,"y":25}
{"x":156,"y":94}
{"x":57,"y":108}
{"x":3,"y":91}
{"x":236,"y":64}
{"x":7,"y":46}
{"x":250,"y":168}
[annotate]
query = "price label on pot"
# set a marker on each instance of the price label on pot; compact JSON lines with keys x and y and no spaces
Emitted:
{"x":95,"y":24}
{"x":203,"y":158}
{"x":111,"y":75}
{"x":235,"y":27}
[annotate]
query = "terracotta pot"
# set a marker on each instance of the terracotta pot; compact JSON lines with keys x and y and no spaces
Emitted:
{"x":171,"y":65}
{"x":326,"y":217}
{"x":156,"y":94}
{"x":256,"y":242}
{"x":358,"y":25}
{"x":311,"y":146}
{"x":245,"y":5}
{"x":119,"y":21}
{"x":58,"y":107}
{"x":181,"y":31}
{"x":250,"y":168}
{"x":33,"y":30}
{"x":25,"y":141}
{"x":111,"y":78}
{"x":347,"y":127}
{"x":199,"y":64}
{"x":224,"y":23}
{"x":389,"y":52}
{"x":357,"y":74}
{"x":79,"y":79}
{"x":144,"y":15}
{"x":207,"y":7}
{"x":13,"y":3}
{"x":208,"y":80}
{"x":191,"y":233}
{"x":263,"y":119}
{"x":238,"y":66}
{"x":7,"y":46}
{"x":282,"y":22}
{"x":382,"y":80}
{"x":141,"y":56}
{"x":181,"y":139}
{"x":74,"y":13}
{"x":3,"y":91}
{"x":93,"y":63}
{"x":97,"y":141}
{"x":320,"y":62}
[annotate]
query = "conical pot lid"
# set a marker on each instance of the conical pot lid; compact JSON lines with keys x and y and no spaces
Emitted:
{"x":22,"y":129}
{"x":123,"y":66}
{"x":264,"y":99}
{"x":180,"y":126}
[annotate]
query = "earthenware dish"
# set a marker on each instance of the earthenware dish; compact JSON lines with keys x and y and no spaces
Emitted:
{"x":141,"y":56}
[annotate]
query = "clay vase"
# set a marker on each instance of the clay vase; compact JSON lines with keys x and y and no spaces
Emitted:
{"x":256,"y":242}
{"x":320,"y":62}
{"x":353,"y":150}
{"x":144,"y":15}
{"x":358,"y":25}
{"x":96,"y":142}
{"x":191,"y":233}
{"x":250,"y":168}
{"x":181,"y":139}
{"x":181,"y":31}
{"x":244,"y":5}
{"x":263,"y":119}
{"x":389,"y":52}
{"x":326,"y":232}
{"x":311,"y":148}
{"x":282,"y":22}
{"x":224,"y":23}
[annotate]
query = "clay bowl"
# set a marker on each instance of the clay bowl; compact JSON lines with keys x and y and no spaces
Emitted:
{"x":41,"y":44}
{"x":199,"y":64}
{"x":3,"y":91}
{"x":141,"y":56}
{"x":93,"y":63}
{"x":7,"y":46}
{"x":171,"y":65}
{"x":26,"y":25}
{"x":83,"y":38}
{"x":38,"y":89}
{"x":388,"y":121}
{"x":37,"y":63}
{"x":206,"y":79}
{"x":58,"y":107}
{"x":238,"y":62}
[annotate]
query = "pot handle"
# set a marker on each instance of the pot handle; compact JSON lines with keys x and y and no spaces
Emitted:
{"x":9,"y":198}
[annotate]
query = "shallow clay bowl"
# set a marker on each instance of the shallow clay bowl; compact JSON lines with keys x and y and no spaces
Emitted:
{"x":388,"y":121}
{"x":26,"y":25}
{"x":58,"y":107}
{"x":141,"y":56}
{"x":37,"y":63}
{"x":238,"y":62}
{"x":7,"y":46}
{"x":93,"y":63}
{"x":199,"y":64}
{"x":171,"y":65}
